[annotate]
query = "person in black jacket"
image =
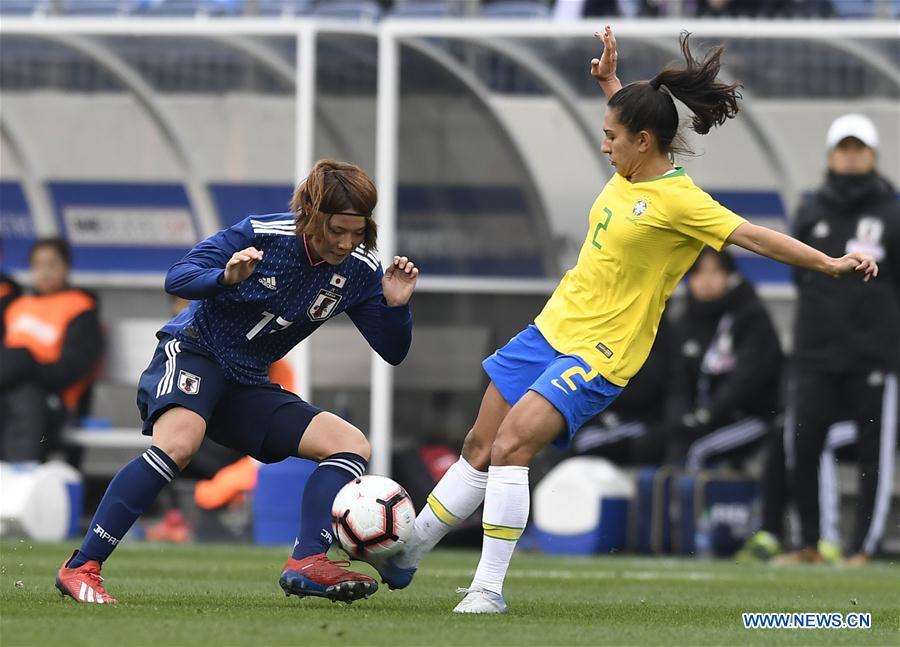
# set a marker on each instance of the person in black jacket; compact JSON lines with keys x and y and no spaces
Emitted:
{"x":52,"y":344}
{"x":847,"y":337}
{"x":728,"y":372}
{"x":632,"y":430}
{"x":9,"y":290}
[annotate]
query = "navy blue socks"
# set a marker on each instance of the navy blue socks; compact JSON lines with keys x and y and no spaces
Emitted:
{"x":330,"y":476}
{"x":129,"y":494}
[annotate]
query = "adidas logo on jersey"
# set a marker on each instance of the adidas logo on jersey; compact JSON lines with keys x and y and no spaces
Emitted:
{"x":268,"y":282}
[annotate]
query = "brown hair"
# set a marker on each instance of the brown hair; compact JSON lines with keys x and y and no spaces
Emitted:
{"x":334,"y":187}
{"x":644,"y":105}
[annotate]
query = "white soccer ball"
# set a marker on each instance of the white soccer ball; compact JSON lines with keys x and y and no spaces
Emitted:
{"x":372,"y":517}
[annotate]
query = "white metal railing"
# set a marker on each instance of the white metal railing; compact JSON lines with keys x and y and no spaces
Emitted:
{"x":390,"y":34}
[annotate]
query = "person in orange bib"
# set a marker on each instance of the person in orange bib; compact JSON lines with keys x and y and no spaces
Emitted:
{"x":52,"y":344}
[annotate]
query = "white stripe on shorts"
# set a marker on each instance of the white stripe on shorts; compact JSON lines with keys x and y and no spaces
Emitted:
{"x":170,"y":380}
{"x":170,"y":367}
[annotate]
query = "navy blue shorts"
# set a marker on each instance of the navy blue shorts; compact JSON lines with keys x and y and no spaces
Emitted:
{"x":264,"y":421}
{"x":529,"y":363}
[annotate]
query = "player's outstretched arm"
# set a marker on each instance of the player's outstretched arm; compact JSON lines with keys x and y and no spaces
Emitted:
{"x":202,"y":272}
{"x":781,"y":247}
{"x":241,"y":265}
{"x":399,"y":281}
{"x":604,"y":68}
{"x":384,"y":318}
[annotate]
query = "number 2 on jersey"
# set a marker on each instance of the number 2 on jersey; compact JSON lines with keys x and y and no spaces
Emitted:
{"x":601,"y":225}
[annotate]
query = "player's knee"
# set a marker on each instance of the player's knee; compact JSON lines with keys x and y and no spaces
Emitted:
{"x":511,"y":446}
{"x":179,"y":432}
{"x":180,"y":450}
{"x":477,"y":451}
{"x":353,"y":441}
{"x":361,"y":447}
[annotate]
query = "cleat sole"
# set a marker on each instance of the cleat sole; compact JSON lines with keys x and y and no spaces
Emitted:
{"x":342,"y":592}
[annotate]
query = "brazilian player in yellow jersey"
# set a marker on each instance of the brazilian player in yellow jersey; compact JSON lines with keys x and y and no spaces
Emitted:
{"x":642,"y":238}
{"x":646,"y":229}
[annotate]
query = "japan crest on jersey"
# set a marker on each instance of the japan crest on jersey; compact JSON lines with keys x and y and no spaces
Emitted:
{"x":189,"y":383}
{"x":869,"y":232}
{"x":323,"y":305}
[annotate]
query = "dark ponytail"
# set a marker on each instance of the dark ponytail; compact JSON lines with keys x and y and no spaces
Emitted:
{"x":696,"y":86}
{"x":648,"y":105}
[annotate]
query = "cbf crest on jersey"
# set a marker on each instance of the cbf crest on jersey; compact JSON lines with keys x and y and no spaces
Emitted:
{"x":323,"y":305}
{"x":189,"y":383}
{"x":639,"y":208}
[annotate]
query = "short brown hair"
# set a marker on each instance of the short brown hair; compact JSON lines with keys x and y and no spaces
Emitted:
{"x":334,"y":187}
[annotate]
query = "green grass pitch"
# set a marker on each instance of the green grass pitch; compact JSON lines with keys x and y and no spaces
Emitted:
{"x":202,"y":595}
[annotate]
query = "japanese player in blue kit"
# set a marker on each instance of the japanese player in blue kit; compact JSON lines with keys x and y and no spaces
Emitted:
{"x":257,"y":290}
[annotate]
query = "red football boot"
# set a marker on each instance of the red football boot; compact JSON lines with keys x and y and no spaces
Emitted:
{"x":83,"y":583}
{"x":321,"y":577}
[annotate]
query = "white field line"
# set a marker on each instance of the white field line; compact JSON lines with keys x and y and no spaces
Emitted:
{"x":556,"y":574}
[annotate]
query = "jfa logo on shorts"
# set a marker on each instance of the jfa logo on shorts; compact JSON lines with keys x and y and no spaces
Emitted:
{"x":324,"y":305}
{"x":188,"y":383}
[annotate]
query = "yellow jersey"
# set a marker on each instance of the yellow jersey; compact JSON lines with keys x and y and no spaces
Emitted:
{"x":643,"y":237}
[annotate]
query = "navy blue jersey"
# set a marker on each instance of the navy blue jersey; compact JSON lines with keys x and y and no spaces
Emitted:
{"x":247,"y":326}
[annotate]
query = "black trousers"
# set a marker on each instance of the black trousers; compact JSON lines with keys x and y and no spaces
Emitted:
{"x":817,"y":401}
{"x":30,"y":422}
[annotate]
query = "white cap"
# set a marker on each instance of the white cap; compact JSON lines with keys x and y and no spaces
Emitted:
{"x":853,"y":125}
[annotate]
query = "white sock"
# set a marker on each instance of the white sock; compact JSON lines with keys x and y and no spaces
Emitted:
{"x":452,"y":501}
{"x":506,"y":505}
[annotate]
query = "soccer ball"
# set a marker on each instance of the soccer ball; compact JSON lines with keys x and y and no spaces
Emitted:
{"x":372,"y":517}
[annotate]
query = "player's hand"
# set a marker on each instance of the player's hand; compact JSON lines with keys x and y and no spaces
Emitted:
{"x":855,"y":262}
{"x":399,"y":281}
{"x":604,"y":68}
{"x":241,"y":265}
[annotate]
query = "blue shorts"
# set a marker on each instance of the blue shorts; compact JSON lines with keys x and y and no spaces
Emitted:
{"x":529,"y":363}
{"x":264,"y":420}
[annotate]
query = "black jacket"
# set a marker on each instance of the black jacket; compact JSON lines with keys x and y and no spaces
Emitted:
{"x":846,"y":325}
{"x":645,"y":396}
{"x":9,"y":290}
{"x":730,"y":358}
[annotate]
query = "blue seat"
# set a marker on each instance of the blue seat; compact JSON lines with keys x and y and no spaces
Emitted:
{"x":23,"y":7}
{"x":426,"y":9}
{"x":515,"y":9}
{"x":169,"y":7}
{"x":854,"y":8}
{"x":283,"y":7}
{"x":97,"y":7}
{"x":192,"y":7}
{"x":222,"y":7}
{"x":347,"y":10}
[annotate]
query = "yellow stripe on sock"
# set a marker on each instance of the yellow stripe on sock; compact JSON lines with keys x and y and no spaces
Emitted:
{"x":502,"y":532}
{"x":442,"y":513}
